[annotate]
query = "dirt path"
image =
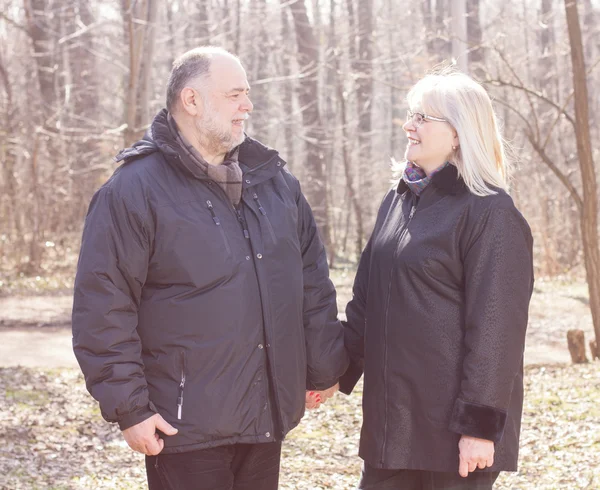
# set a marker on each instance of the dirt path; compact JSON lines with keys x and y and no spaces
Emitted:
{"x":35,"y":331}
{"x":36,"y":347}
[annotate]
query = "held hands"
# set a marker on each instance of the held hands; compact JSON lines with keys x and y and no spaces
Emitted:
{"x":474,"y":453}
{"x":315,"y":398}
{"x":143,"y":438}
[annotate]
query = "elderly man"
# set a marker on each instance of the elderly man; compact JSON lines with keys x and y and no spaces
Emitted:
{"x":203,"y":309}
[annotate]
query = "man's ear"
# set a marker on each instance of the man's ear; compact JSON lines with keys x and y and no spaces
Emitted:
{"x":191,"y":102}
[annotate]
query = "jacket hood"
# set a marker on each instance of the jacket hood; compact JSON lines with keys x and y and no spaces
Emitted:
{"x":139,"y":149}
{"x":256,"y":158}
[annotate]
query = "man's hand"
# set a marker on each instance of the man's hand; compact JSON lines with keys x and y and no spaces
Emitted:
{"x":474,"y":453}
{"x":143,"y":438}
{"x":315,"y":398}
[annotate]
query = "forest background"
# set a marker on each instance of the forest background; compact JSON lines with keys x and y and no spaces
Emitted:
{"x":81,"y":79}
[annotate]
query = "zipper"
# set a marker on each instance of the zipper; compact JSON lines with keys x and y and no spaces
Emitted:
{"x":413,"y":210}
{"x":217,"y":222}
{"x":236,"y":212}
{"x":181,"y":386}
{"x":242,"y":221}
{"x":264,"y":213}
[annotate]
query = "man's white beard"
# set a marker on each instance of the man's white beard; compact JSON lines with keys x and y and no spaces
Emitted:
{"x":214,"y":139}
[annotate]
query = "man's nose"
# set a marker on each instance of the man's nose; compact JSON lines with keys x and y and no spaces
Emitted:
{"x":247,"y":104}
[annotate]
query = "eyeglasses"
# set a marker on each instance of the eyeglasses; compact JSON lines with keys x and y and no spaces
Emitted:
{"x":418,"y":118}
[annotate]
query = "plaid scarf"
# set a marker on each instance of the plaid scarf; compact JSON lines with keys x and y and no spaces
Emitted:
{"x":415,"y":177}
{"x":228,"y":175}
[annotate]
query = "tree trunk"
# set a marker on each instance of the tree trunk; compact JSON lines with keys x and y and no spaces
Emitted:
{"x":308,"y":61}
{"x":144,"y":115}
{"x":199,"y":27}
{"x":40,"y":27}
{"x":594,"y":352}
{"x":475,"y":40}
{"x":238,"y":27}
{"x":427,"y":14}
{"x":8,"y":149}
{"x":288,"y":91}
{"x":459,"y":35}
{"x":346,"y":160}
{"x":85,"y":109}
{"x":139,"y":20}
{"x":364,"y":98}
{"x":589,"y":213}
{"x":259,"y":70}
{"x":352,"y":195}
{"x":43,"y":23}
{"x":443,"y":46}
{"x":576,"y":344}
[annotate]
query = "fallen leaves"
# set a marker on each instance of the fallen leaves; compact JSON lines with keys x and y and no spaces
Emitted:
{"x":54,"y":438}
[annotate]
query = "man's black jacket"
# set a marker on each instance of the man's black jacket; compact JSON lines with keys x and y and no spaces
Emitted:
{"x":217,"y":318}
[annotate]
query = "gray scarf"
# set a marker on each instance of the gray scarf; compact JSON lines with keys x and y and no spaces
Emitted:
{"x":227,"y":175}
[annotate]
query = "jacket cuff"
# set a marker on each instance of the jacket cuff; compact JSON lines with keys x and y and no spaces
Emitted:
{"x":472,"y":419}
{"x":138,"y":416}
{"x":351,"y":377}
{"x":321,"y":386}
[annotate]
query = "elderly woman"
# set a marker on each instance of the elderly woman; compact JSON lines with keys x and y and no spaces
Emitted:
{"x":439,"y":310}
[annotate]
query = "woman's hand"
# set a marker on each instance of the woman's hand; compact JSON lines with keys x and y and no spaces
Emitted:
{"x":474,"y":453}
{"x":315,"y":398}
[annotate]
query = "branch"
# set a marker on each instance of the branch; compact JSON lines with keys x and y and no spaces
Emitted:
{"x":503,"y":83}
{"x":503,"y":58}
{"x":567,"y":102}
{"x":518,"y":114}
{"x":82,"y":31}
{"x":561,"y":176}
{"x":540,"y":150}
{"x":13,"y":23}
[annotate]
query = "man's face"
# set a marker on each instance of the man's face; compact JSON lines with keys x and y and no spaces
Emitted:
{"x":226,"y":105}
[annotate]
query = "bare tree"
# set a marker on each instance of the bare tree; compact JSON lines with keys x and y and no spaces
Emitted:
{"x":329,"y":80}
{"x":139,"y":21}
{"x":363,"y":71}
{"x":589,"y":211}
{"x":459,"y":34}
{"x":475,"y":39}
{"x":308,"y":61}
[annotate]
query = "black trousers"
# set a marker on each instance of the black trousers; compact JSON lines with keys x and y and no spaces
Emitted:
{"x":234,"y":467}
{"x":378,"y":479}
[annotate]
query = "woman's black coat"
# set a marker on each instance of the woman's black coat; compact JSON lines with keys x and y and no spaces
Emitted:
{"x":437,"y":322}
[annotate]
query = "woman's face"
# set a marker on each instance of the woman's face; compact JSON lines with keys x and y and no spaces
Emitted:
{"x":430,"y":143}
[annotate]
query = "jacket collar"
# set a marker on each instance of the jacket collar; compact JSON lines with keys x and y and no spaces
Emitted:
{"x":257,"y":160}
{"x":446,"y":180}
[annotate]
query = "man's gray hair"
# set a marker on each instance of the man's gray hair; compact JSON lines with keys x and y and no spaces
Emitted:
{"x":192,"y":65}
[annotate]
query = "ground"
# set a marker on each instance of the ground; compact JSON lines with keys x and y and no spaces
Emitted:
{"x":54,"y":438}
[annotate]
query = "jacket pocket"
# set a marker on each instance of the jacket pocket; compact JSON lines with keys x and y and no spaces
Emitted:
{"x":181,"y":386}
{"x":217,"y":222}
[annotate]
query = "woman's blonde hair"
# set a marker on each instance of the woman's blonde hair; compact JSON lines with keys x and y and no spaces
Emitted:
{"x":481,"y":157}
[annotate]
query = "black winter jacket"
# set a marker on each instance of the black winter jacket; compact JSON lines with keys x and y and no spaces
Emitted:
{"x":217,"y":318}
{"x":438,"y":320}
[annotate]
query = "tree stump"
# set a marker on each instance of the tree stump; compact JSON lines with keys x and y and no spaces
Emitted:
{"x":594,"y":350}
{"x":576,"y":343}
